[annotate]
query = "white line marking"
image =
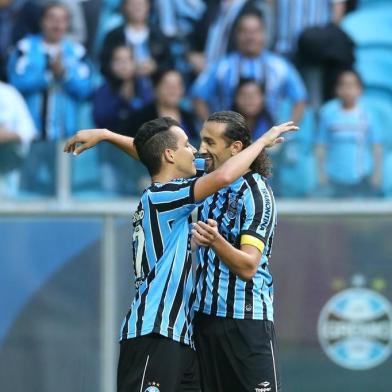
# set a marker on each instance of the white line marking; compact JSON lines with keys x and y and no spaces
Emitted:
{"x":144,"y":373}
{"x":273,"y":362}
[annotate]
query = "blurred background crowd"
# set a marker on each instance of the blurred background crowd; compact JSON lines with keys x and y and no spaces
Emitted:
{"x":75,"y":64}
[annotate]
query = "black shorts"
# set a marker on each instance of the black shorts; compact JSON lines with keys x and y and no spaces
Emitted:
{"x":236,"y":355}
{"x":157,"y":364}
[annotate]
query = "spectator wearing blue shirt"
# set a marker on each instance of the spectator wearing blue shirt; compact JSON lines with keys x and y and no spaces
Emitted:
{"x":17,"y":19}
{"x":17,"y":130}
{"x":150,"y":46}
{"x":294,"y":16}
{"x":214,"y":34}
{"x":349,"y":148}
{"x":114,"y":106}
{"x":214,"y":88}
{"x":249,"y":100}
{"x":121,"y":94}
{"x":52,"y":73}
{"x":169,"y":91}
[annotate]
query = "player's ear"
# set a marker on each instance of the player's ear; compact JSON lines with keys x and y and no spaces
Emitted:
{"x":236,"y":147}
{"x":168,"y":155}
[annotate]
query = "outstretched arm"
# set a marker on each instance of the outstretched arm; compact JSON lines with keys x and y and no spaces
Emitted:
{"x":83,"y":140}
{"x":238,"y":165}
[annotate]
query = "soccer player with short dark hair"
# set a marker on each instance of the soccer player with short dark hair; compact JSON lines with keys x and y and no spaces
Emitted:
{"x":157,"y":332}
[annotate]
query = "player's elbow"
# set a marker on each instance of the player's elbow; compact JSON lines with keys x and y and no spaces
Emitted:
{"x":247,"y":273}
{"x":223,"y":179}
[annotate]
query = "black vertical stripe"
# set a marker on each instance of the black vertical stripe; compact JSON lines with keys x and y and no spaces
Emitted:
{"x":230,"y":296}
{"x":205,"y":256}
{"x":124,"y":331}
{"x":158,"y":318}
{"x":272,"y":219}
{"x":248,"y":313}
{"x":178,"y":299}
{"x":264,"y":307}
{"x":258,"y":202}
{"x":142,"y":305}
{"x":216,"y":261}
{"x":156,"y":233}
{"x":204,"y":277}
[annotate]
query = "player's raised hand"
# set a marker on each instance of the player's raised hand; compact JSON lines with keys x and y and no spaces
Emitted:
{"x":274,"y":135}
{"x":83,"y":140}
{"x":205,"y":234}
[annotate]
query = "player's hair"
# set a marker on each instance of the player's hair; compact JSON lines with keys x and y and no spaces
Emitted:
{"x":238,"y":130}
{"x":151,"y":140}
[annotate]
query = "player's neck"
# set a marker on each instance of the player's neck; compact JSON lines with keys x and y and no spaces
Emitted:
{"x":165,"y":176}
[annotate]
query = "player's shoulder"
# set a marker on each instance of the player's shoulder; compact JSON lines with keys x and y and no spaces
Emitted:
{"x":255,"y":183}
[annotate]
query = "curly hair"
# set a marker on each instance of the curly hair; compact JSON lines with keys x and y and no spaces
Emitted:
{"x":237,"y":130}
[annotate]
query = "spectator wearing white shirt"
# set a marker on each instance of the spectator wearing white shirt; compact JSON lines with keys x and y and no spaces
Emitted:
{"x":17,"y":130}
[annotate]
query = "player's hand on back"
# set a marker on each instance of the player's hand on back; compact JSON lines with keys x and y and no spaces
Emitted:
{"x":205,"y":234}
{"x":83,"y":140}
{"x":275,"y":134}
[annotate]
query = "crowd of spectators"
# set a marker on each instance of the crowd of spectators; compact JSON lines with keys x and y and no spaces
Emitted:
{"x":129,"y":61}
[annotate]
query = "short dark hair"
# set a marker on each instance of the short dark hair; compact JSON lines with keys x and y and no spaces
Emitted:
{"x":151,"y":140}
{"x":237,"y":129}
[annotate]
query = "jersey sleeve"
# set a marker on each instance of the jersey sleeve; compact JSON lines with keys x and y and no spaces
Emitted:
{"x":176,"y":197}
{"x":258,"y":215}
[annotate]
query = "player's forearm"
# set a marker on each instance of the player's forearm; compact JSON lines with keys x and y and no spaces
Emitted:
{"x":239,"y":164}
{"x":124,"y":143}
{"x":239,"y":262}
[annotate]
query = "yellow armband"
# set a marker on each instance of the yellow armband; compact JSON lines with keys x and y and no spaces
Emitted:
{"x":247,"y":239}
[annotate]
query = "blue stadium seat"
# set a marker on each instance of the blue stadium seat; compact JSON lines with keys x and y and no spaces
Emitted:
{"x":387,"y":179}
{"x":295,"y":166}
{"x":86,"y":173}
{"x":109,"y":19}
{"x":380,"y":103}
{"x":371,"y":3}
{"x":375,"y":66}
{"x":370,"y":26}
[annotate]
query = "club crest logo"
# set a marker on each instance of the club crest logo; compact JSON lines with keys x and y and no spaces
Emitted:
{"x":232,"y":207}
{"x":355,"y":328}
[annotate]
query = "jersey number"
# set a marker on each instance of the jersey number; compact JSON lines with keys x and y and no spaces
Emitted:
{"x":138,"y":241}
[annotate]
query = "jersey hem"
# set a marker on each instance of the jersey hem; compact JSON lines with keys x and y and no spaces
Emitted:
{"x":175,"y":337}
{"x":236,"y":315}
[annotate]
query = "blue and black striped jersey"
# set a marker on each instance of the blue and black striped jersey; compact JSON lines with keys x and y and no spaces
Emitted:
{"x":246,"y":207}
{"x":162,"y":263}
